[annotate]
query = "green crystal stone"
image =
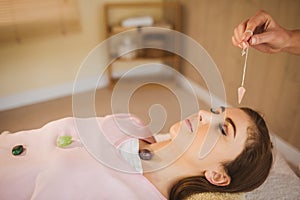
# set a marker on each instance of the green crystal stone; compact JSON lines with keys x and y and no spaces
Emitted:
{"x":63,"y":141}
{"x":17,"y":150}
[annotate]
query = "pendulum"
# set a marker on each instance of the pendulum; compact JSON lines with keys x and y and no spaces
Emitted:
{"x":241,"y":89}
{"x":145,"y":154}
{"x":17,"y":150}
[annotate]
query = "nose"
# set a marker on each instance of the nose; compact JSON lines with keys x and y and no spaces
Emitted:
{"x":218,"y":110}
{"x":204,"y":116}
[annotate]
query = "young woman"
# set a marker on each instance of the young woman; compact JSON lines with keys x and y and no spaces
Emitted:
{"x":43,"y":164}
{"x":239,"y":162}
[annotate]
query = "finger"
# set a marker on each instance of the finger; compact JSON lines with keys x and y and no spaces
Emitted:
{"x":262,"y":38}
{"x":263,"y":42}
{"x":257,"y":20}
{"x":239,"y":31}
{"x":236,"y":36}
{"x":235,"y":43}
{"x":260,"y":18}
{"x":247,"y":35}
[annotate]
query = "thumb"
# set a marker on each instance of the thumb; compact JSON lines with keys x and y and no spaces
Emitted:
{"x":257,"y":39}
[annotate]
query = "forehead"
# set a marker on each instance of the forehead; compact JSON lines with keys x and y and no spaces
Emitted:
{"x":237,"y":114}
{"x":233,"y":113}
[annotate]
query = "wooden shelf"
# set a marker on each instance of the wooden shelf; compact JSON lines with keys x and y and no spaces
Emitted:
{"x":166,"y":15}
{"x":118,"y":29}
{"x":146,"y":60}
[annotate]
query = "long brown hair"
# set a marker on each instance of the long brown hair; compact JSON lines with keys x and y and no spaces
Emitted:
{"x":248,"y":171}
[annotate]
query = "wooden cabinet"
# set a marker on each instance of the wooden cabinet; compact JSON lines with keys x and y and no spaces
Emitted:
{"x":131,"y":28}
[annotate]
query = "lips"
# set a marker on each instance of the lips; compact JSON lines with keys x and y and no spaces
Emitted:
{"x":189,"y":124}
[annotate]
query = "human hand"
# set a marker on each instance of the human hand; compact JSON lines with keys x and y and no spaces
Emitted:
{"x":268,"y":36}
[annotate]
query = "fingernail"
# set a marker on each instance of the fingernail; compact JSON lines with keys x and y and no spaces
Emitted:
{"x":253,"y":41}
{"x":244,"y":45}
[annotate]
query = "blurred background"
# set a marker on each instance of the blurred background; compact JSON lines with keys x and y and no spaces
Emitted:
{"x":43,"y":43}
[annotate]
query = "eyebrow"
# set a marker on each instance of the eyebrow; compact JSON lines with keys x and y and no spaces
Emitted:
{"x":229,"y":120}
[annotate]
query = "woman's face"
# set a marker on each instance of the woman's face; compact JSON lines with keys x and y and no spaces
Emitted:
{"x":228,"y":126}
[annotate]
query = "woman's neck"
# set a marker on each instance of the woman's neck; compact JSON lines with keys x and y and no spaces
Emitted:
{"x":163,"y":175}
{"x":163,"y":179}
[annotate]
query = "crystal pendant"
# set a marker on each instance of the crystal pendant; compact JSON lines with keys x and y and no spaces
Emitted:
{"x":241,"y":93}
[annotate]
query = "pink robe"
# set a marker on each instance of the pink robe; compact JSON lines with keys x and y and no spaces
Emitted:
{"x":47,"y":171}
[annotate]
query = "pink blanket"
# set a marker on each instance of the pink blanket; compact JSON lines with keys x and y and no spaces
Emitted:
{"x":47,"y":171}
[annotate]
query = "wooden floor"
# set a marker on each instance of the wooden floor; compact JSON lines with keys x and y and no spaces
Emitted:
{"x":140,"y":103}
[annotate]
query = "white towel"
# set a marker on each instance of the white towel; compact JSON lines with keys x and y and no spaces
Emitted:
{"x":138,"y":21}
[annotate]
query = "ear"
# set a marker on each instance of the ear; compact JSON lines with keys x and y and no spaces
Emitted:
{"x":217,"y":177}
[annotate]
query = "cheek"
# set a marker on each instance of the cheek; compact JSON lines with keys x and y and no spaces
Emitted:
{"x":196,"y":146}
{"x":175,"y":129}
{"x":224,"y":151}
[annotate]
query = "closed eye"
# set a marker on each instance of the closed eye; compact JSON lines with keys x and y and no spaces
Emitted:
{"x":223,"y":129}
